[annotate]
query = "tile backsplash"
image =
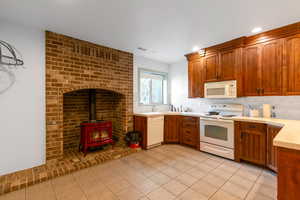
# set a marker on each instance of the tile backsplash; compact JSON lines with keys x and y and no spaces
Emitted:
{"x":286,"y":107}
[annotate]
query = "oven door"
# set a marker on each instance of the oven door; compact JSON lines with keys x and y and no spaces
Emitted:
{"x":217,"y":131}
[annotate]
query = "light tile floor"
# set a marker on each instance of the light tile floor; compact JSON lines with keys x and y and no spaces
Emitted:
{"x":163,"y":173}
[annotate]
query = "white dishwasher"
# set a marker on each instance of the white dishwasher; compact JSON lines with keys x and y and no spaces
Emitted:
{"x":155,"y":131}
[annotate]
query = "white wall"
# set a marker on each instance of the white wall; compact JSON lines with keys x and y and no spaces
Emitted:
{"x":286,"y":107}
{"x":22,"y":107}
{"x":145,"y":63}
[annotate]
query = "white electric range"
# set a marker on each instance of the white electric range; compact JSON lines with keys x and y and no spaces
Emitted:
{"x":217,"y":129}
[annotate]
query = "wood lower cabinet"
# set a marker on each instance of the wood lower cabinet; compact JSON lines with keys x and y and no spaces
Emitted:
{"x":292,"y":65}
{"x":272,"y":150}
{"x":288,"y":175}
{"x":189,"y":132}
{"x":172,"y":129}
{"x":140,"y":124}
{"x":250,"y":142}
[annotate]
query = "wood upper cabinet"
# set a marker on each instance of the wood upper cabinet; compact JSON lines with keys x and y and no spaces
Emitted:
{"x":172,"y":129}
{"x":251,"y":70}
{"x":262,"y":69}
{"x":292,"y":65}
{"x":272,"y":150}
{"x":221,"y":66}
{"x":211,"y":64}
{"x":250,"y":142}
{"x":227,"y":65}
{"x":265,"y":64}
{"x":271,"y":68}
{"x":195,"y":78}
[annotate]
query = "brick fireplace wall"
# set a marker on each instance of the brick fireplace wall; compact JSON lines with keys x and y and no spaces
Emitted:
{"x":74,"y":65}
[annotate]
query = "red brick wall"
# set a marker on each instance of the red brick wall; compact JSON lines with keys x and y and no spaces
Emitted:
{"x":72,"y":65}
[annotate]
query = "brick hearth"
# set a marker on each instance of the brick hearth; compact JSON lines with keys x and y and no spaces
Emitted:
{"x":72,"y":161}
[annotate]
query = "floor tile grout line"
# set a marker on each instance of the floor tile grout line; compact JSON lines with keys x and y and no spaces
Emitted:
{"x":253,"y":184}
{"x":25,"y":193}
{"x":51,"y":183}
{"x":205,"y":176}
{"x":225,"y":182}
{"x":79,"y":186}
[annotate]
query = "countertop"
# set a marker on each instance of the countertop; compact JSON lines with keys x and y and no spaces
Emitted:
{"x":288,"y":137}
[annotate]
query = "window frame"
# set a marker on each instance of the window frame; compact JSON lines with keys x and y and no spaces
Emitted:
{"x":165,"y":78}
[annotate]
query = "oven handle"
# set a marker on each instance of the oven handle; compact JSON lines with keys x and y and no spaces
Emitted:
{"x":219,"y":150}
{"x":217,"y":120}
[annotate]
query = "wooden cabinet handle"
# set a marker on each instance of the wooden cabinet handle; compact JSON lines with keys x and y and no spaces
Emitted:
{"x":252,"y":126}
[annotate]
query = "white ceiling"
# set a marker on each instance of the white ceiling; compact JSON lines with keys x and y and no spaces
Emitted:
{"x":167,"y":28}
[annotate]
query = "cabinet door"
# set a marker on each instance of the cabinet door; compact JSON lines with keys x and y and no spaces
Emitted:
{"x":252,"y":145}
{"x":211,"y":67}
{"x":251,"y":70}
{"x":271,"y":68}
{"x":288,"y":177}
{"x":227,"y":67}
{"x":292,"y":65}
{"x":171,"y":129}
{"x":272,"y":150}
{"x":140,"y":124}
{"x":195,"y":78}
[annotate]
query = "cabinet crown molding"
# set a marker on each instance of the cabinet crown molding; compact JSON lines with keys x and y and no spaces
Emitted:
{"x":240,"y":42}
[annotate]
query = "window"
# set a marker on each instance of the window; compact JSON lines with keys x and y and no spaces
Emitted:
{"x":153,"y":87}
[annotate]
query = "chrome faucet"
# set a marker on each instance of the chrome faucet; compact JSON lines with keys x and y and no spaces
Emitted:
{"x":153,"y":108}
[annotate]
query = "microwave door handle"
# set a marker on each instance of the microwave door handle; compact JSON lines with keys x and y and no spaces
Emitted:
{"x":226,"y":90}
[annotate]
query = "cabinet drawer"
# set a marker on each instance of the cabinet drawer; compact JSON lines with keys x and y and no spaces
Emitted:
{"x":189,"y":136}
{"x":189,"y":122}
{"x":248,"y":126}
{"x":188,"y":132}
{"x":189,"y":140}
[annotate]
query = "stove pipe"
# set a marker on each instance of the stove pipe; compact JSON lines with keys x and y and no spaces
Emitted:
{"x":92,"y":104}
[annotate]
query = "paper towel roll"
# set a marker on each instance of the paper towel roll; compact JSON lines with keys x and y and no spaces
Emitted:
{"x":267,"y":110}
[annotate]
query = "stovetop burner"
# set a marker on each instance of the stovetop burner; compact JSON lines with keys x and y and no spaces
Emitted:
{"x":224,"y":110}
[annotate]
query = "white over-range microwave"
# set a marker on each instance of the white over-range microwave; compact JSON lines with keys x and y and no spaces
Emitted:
{"x":224,"y":89}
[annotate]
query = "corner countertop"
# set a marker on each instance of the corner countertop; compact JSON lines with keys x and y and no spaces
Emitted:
{"x":288,"y":137}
